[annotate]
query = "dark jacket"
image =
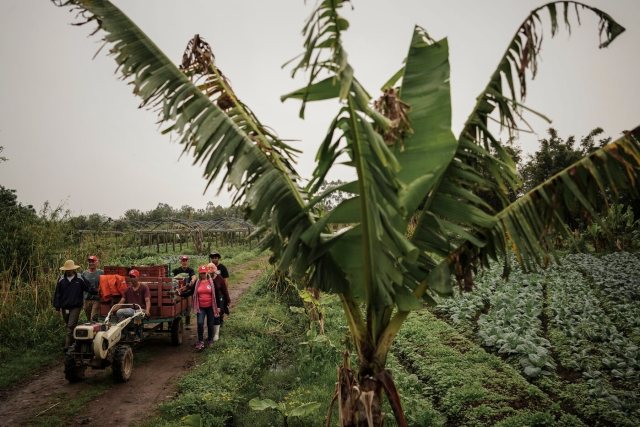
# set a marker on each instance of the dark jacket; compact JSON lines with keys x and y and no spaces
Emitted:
{"x":222,"y":294}
{"x":69,"y":294}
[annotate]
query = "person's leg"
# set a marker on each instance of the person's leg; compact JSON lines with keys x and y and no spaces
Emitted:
{"x":88,"y":304}
{"x":200,"y":323}
{"x":72,"y":321}
{"x":95,"y":310}
{"x":217,"y":322}
{"x":187,"y":317}
{"x":65,"y":320}
{"x":123,"y":313}
{"x":221,"y":305}
{"x":210,"y":330}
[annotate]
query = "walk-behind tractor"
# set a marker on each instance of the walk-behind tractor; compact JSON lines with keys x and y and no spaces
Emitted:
{"x":102,"y":344}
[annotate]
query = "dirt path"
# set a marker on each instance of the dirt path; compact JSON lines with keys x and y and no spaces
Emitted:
{"x":158,"y":366}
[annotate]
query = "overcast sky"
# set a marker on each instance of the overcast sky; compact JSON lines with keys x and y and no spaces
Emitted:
{"x":74,"y":135}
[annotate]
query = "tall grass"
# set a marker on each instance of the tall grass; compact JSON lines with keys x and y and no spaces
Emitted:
{"x":31,"y":330}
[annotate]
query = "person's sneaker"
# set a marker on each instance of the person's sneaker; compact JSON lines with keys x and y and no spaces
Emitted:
{"x":209,"y":343}
{"x":199,"y":345}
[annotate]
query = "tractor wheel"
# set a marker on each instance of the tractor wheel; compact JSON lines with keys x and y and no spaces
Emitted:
{"x":122,"y":366}
{"x":72,"y":372}
{"x":177,"y":331}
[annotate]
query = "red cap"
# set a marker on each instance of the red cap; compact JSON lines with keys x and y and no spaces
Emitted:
{"x":202,"y":269}
{"x":184,"y":258}
{"x":135,"y":273}
{"x":92,"y":258}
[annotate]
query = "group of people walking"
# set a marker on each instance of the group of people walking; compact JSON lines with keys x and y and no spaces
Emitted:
{"x":208,"y":291}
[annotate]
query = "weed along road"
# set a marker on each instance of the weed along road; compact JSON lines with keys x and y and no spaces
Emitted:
{"x":47,"y":398}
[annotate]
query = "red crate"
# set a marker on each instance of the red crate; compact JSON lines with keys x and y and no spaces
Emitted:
{"x":116,"y":269}
{"x":152,"y":270}
{"x":165,"y":302}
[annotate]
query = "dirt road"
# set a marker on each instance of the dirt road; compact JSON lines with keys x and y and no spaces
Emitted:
{"x":48,"y":398}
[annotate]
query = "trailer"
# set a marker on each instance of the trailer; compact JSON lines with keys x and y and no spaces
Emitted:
{"x":167,"y":312}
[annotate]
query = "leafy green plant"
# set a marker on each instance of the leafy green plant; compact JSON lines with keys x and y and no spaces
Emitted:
{"x":412,"y":172}
{"x":300,"y":411}
{"x":616,"y":231}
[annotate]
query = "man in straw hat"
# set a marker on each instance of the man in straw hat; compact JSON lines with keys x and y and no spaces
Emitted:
{"x":69,"y":297}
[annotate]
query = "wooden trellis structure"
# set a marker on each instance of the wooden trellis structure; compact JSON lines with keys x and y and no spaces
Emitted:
{"x":171,"y":234}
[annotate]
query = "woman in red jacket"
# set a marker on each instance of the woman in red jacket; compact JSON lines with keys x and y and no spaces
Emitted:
{"x":205,"y":306}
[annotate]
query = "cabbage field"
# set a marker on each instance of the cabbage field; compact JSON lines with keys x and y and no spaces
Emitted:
{"x":573,"y":330}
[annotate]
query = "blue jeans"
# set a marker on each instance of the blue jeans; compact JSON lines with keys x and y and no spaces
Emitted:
{"x":211,"y":321}
{"x":124,"y":312}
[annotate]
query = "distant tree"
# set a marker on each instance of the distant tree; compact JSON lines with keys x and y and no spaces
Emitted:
{"x":18,"y":233}
{"x":556,"y":154}
{"x":161,"y":212}
{"x":186,"y":212}
{"x":133,"y":215}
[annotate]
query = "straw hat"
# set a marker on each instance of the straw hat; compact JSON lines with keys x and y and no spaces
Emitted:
{"x":69,"y":265}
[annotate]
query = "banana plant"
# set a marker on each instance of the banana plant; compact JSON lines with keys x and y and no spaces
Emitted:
{"x":426,"y":204}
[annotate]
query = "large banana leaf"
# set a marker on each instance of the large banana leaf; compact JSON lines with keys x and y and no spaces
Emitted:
{"x":256,"y":164}
{"x":528,"y":225}
{"x":457,"y":211}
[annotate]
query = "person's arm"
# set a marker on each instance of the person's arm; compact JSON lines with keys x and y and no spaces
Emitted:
{"x":117,"y":305}
{"x":225,"y":277}
{"x":87,"y":286}
{"x":225,"y":291}
{"x":147,"y":301}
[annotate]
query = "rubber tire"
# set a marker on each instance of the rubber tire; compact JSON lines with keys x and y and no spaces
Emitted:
{"x":177,"y":331}
{"x":72,"y":372}
{"x":122,"y":367}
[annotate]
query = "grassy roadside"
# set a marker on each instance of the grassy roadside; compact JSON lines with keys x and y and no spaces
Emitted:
{"x":270,"y":352}
{"x":216,"y":391}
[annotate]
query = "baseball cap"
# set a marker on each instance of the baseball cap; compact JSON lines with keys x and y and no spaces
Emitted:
{"x":92,"y":258}
{"x":184,"y":258}
{"x":215,"y":254}
{"x":202,"y":269}
{"x":134,"y":273}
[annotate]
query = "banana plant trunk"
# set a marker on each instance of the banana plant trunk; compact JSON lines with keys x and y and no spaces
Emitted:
{"x":360,"y":396}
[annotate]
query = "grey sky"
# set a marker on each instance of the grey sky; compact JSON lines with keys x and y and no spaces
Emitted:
{"x":74,"y":135}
